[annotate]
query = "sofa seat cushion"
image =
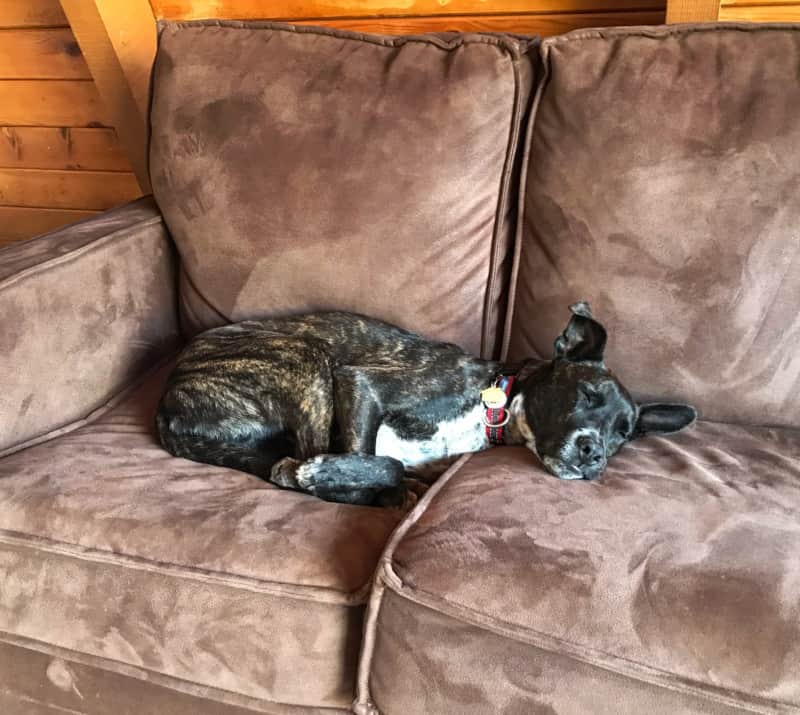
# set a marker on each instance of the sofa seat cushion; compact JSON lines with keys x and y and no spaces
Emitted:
{"x":305,"y":168}
{"x":671,"y":585}
{"x":111,"y":548}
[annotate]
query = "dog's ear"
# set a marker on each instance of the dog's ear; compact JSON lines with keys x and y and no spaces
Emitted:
{"x":584,"y":339}
{"x":663,"y":418}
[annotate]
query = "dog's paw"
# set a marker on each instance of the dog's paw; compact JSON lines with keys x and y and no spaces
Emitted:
{"x":284,"y":473}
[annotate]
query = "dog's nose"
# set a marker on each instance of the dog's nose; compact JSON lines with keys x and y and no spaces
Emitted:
{"x":590,"y":449}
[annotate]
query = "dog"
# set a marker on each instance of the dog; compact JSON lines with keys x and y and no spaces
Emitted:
{"x":345,"y":407}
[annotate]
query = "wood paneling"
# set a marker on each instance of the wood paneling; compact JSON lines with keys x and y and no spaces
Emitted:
{"x":545,"y":24}
{"x":19,"y":222}
{"x":748,"y":3}
{"x":51,"y":103}
{"x":692,"y":10}
{"x":66,"y":189}
{"x":307,"y":9}
{"x":774,"y":12}
{"x":59,"y":159}
{"x":31,"y":13}
{"x":61,"y":148}
{"x":41,"y":54}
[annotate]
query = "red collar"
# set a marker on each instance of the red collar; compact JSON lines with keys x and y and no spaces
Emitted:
{"x":495,"y":402}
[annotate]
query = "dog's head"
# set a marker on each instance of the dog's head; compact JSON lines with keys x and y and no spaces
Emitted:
{"x":575,"y":414}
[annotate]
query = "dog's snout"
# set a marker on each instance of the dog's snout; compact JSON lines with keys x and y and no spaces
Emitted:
{"x":590,"y":449}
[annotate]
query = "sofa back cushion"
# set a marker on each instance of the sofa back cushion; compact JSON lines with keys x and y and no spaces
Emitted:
{"x":664,"y":187}
{"x":303,"y":169}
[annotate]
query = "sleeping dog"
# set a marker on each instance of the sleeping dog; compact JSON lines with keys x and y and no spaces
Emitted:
{"x":342,"y":406}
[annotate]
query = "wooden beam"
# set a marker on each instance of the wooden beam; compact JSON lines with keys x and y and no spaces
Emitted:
{"x":761,"y":13}
{"x":543,"y":24}
{"x":340,"y":9}
{"x":692,"y":10}
{"x":118,"y":41}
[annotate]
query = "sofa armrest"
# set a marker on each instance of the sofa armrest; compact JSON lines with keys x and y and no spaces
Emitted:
{"x":83,"y":310}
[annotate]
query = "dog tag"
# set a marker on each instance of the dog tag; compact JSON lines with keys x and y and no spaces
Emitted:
{"x":494,"y":397}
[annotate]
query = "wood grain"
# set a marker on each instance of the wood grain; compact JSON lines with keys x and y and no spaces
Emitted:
{"x":544,"y":25}
{"x":41,"y":54}
{"x":19,"y":222}
{"x":692,"y":10}
{"x":66,"y":189}
{"x":61,"y":148}
{"x":51,"y":103}
{"x":748,"y":3}
{"x":31,"y":13}
{"x":308,"y":9}
{"x":761,"y":13}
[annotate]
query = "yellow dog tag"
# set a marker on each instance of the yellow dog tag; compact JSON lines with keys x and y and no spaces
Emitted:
{"x":493,"y":397}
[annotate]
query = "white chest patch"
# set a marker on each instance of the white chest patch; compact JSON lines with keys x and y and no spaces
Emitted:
{"x":459,"y":436}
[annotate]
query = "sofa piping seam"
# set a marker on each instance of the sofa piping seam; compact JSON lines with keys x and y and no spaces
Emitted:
{"x":68,"y":653}
{"x":577,"y":652}
{"x":387,"y":41}
{"x":18,"y":539}
{"x":384,"y":569}
{"x":680,"y":29}
{"x":95,"y":244}
{"x":110,"y":403}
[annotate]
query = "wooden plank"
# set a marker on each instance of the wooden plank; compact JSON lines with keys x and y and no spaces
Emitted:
{"x":51,"y":103}
{"x":544,"y":25}
{"x":307,"y":9}
{"x":66,"y":189}
{"x":61,"y":148}
{"x":118,"y":40}
{"x":761,"y":13}
{"x":692,"y":10}
{"x":31,"y":13}
{"x":41,"y":54}
{"x":19,"y":222}
{"x":748,"y":3}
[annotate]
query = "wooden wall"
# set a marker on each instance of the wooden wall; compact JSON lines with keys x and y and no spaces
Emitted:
{"x":73,"y":113}
{"x":59,"y":157}
{"x":541,"y":17}
{"x":760,"y":10}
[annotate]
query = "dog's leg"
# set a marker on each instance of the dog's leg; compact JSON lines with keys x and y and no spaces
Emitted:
{"x":357,"y":408}
{"x":345,"y":478}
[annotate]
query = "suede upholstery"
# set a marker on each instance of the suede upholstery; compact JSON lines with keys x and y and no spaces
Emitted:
{"x":662,"y":186}
{"x":84,"y":309}
{"x":678,"y":571}
{"x":340,"y":171}
{"x":40,"y":678}
{"x":304,"y":167}
{"x":112,"y":548}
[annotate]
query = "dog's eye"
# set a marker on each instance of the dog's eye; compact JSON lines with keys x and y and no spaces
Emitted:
{"x":623,"y":428}
{"x":590,"y":397}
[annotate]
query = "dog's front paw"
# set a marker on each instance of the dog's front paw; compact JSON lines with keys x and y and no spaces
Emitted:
{"x":284,"y":473}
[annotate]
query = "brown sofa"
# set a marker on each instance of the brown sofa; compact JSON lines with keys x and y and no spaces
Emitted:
{"x":469,"y":187}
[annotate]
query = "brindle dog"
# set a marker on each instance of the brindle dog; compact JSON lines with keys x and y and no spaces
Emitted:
{"x":341,"y":406}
